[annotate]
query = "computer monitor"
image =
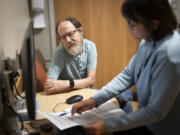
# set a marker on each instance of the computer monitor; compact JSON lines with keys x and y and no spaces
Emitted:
{"x":27,"y":64}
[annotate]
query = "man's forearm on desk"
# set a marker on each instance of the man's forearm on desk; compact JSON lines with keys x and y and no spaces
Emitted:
{"x":86,"y":82}
{"x":55,"y":86}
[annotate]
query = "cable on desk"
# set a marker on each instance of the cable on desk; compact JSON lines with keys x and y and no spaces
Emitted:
{"x":27,"y":130}
{"x":20,"y":119}
{"x":54,"y":109}
{"x":18,"y":99}
{"x":12,"y":110}
{"x":35,"y":127}
{"x":17,"y":91}
{"x":31,"y":133}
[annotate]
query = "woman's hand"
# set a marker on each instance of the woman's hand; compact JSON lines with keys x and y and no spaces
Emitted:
{"x":95,"y":128}
{"x":83,"y":106}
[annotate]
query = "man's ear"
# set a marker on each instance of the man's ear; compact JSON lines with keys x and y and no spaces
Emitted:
{"x":81,"y":31}
{"x":81,"y":28}
{"x":155,"y":24}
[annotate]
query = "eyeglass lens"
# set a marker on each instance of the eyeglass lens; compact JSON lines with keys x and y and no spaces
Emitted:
{"x":70,"y":34}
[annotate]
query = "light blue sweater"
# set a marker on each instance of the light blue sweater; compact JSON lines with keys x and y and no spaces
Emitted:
{"x":157,"y":83}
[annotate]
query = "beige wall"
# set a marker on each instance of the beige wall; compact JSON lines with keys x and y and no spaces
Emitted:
{"x":14,"y":21}
{"x":176,"y":8}
{"x":178,"y":11}
{"x":42,"y":36}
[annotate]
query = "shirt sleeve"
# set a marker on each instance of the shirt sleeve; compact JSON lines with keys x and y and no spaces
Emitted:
{"x":92,"y":57}
{"x":164,"y":90}
{"x":56,"y":65}
{"x":121,"y":82}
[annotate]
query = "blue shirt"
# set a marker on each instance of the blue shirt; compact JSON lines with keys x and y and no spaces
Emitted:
{"x":155,"y":70}
{"x":69,"y":67}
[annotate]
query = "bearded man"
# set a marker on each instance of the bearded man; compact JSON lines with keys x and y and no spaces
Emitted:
{"x":73,"y":65}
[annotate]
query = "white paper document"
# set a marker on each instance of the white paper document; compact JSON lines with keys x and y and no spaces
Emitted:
{"x":64,"y":120}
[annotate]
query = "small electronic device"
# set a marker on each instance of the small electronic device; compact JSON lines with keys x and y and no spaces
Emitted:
{"x":46,"y":127}
{"x":74,"y":99}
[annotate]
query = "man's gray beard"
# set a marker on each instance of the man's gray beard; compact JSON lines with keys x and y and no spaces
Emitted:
{"x":75,"y":50}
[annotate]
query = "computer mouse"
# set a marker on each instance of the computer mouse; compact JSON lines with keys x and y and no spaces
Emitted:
{"x":74,"y":99}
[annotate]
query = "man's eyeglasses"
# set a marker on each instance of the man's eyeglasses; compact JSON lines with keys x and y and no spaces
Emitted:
{"x":69,"y":34}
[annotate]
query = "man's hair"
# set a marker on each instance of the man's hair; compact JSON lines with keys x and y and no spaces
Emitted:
{"x":145,"y":11}
{"x":74,"y":21}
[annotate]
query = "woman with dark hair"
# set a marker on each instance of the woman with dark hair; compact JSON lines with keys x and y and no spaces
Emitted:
{"x":149,"y":13}
{"x":154,"y":69}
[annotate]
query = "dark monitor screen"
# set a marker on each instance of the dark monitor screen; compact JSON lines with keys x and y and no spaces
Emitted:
{"x":27,"y":64}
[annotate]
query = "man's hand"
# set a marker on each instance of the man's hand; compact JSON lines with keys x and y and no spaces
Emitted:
{"x":56,"y":85}
{"x":95,"y":128}
{"x":83,"y":106}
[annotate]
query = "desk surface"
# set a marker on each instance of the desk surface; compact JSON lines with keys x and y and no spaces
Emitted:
{"x":56,"y":102}
{"x":49,"y":102}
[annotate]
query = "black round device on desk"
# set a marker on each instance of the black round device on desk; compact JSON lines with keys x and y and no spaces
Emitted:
{"x":74,"y":99}
{"x":46,"y":127}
